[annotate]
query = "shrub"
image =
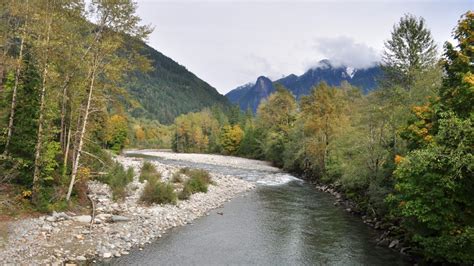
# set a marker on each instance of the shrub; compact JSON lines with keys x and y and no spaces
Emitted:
{"x":118,"y":178}
{"x":177,"y":178}
{"x":203,"y":175}
{"x":158,"y":192}
{"x":198,"y":181}
{"x":149,"y":172}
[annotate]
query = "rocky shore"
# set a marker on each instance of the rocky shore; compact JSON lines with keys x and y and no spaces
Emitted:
{"x":387,"y":236}
{"x":115,"y":227}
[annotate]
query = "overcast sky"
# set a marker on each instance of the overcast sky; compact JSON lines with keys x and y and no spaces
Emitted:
{"x":230,"y":43}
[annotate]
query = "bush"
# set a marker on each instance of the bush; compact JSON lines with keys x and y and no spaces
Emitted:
{"x":198,"y":181}
{"x":158,"y":192}
{"x":118,"y":178}
{"x":177,"y":178}
{"x":149,"y":172}
{"x":203,"y":175}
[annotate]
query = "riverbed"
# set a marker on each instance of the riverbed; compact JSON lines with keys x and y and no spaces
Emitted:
{"x":284,"y":221}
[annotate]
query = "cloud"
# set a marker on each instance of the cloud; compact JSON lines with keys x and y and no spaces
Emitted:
{"x":346,"y":51}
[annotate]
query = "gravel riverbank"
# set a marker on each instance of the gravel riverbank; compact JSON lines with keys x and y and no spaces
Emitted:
{"x":119,"y":226}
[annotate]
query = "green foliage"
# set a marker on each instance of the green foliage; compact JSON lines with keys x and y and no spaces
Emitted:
{"x":458,"y":86}
{"x":410,"y":49}
{"x":117,"y":178}
{"x":149,"y":172}
{"x":434,"y":181}
{"x":169,"y":90}
{"x":196,"y":132}
{"x":434,"y":188}
{"x":158,"y":192}
{"x":198,"y":181}
{"x":22,"y":145}
{"x":50,"y":163}
{"x":144,"y":133}
{"x":250,"y":146}
{"x":177,"y":178}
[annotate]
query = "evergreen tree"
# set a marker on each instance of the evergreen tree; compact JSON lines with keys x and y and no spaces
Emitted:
{"x":410,"y":49}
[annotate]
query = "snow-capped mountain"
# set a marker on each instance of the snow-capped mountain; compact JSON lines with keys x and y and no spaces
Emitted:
{"x":250,"y":95}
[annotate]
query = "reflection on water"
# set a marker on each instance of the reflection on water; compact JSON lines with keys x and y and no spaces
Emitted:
{"x":289,"y":224}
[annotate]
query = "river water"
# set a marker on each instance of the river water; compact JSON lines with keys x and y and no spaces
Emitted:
{"x":284,"y":221}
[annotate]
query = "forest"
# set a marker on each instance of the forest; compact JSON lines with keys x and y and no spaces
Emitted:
{"x":403,"y":152}
{"x":62,"y":106}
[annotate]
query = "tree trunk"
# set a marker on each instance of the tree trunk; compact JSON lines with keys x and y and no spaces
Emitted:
{"x":39,"y":141}
{"x":15,"y":86}
{"x":66,"y":152}
{"x":62,"y":136}
{"x":81,"y":135}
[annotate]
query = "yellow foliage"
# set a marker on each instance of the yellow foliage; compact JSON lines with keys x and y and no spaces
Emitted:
{"x":139,"y":133}
{"x":83,"y":173}
{"x":469,"y":79}
{"x":26,"y":193}
{"x":398,"y":159}
{"x":230,"y":138}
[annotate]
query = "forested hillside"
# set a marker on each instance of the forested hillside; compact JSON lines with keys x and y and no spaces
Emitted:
{"x":168,"y":89}
{"x":403,"y":152}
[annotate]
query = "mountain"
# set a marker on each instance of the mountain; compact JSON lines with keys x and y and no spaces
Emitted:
{"x":168,"y":90}
{"x":250,"y":95}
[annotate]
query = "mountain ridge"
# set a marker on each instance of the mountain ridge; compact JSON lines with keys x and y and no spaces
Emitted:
{"x":251,"y":94}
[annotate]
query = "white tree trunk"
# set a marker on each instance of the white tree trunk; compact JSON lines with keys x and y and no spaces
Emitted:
{"x":15,"y":86}
{"x":81,"y":136}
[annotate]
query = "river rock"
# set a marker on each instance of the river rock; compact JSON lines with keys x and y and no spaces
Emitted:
{"x":82,"y":218}
{"x":394,"y":243}
{"x":46,"y":227}
{"x":118,"y":218}
{"x":51,"y":219}
{"x":60,"y":216}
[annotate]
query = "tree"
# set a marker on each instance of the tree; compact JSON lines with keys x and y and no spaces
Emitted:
{"x":230,"y":138}
{"x":434,"y":181}
{"x":115,"y":20}
{"x":18,"y":69}
{"x":324,"y":113}
{"x":410,"y":49}
{"x":116,"y":132}
{"x":457,"y":92}
{"x":275,"y":118}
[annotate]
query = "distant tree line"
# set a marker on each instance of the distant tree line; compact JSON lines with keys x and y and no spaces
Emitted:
{"x":404,"y":152}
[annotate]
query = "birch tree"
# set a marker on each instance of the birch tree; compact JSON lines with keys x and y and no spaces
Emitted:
{"x":116,"y":18}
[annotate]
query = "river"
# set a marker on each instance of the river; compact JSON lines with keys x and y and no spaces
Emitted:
{"x":284,"y":221}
